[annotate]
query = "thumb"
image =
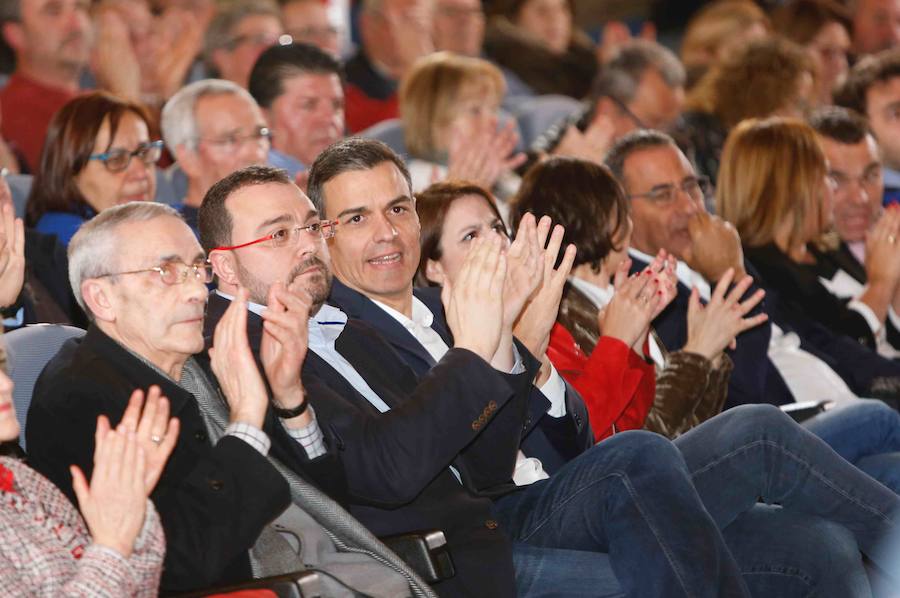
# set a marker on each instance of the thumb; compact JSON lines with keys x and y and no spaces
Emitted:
{"x":694,"y":306}
{"x":80,"y":486}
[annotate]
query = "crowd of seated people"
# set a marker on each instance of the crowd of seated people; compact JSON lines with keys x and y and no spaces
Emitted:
{"x":449,"y":298}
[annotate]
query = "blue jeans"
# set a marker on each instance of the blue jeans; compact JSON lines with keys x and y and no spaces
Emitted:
{"x":757,"y":453}
{"x":866,"y":433}
{"x":630,"y":496}
{"x":779,"y":554}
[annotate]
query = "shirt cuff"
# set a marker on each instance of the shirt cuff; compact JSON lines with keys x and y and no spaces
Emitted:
{"x":555,"y":391}
{"x":519,"y":366}
{"x":866,"y":312}
{"x":894,"y":318}
{"x":310,"y":437}
{"x":251,"y":435}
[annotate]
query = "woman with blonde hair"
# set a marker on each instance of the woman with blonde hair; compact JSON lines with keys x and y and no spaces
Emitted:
{"x":774,"y":187}
{"x":450,"y":106}
{"x":717,"y":30}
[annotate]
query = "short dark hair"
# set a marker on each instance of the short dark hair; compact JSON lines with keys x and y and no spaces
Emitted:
{"x":279,"y":63}
{"x":840,"y":124}
{"x":346,"y":155}
{"x":801,"y":20}
{"x":620,"y":77}
{"x":869,"y":71}
{"x":432,"y":206}
{"x":214,"y":219}
{"x":582,"y":196}
{"x":68,"y":147}
{"x":630,"y":143}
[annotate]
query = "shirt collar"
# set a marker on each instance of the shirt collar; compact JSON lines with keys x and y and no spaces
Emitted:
{"x":421,"y":315}
{"x":254,"y":307}
{"x":891,"y":178}
{"x":600,"y":297}
{"x":326,"y":326}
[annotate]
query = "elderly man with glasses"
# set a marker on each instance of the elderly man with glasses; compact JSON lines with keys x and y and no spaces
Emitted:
{"x":213,"y":127}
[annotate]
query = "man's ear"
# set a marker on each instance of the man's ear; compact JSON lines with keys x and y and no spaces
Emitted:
{"x":98,"y":298}
{"x":14,"y":35}
{"x":224,"y":266}
{"x":434,"y":272}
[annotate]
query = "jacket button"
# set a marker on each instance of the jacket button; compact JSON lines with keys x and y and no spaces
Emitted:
{"x":216,"y":484}
{"x":200,"y":435}
{"x":492,"y":405}
{"x":491,"y":524}
{"x":475,"y":425}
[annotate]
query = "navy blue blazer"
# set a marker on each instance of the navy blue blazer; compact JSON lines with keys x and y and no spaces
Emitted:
{"x":555,"y":441}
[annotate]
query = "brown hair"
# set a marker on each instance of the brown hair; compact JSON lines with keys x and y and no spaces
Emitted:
{"x":67,"y":148}
{"x":432,"y":206}
{"x":868,"y":72}
{"x":801,"y":20}
{"x":583,"y":197}
{"x":753,"y":83}
{"x":430,"y":92}
{"x":712,"y":27}
{"x":771,"y":172}
{"x":510,"y":8}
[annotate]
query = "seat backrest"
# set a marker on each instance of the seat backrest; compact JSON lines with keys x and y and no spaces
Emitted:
{"x":28,"y":350}
{"x":20,"y":185}
{"x":389,"y":132}
{"x":536,"y":115}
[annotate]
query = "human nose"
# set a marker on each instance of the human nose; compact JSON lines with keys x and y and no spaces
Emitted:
{"x":195,"y":288}
{"x":386,"y":231}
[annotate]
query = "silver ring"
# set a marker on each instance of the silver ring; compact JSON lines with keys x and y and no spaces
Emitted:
{"x":156,"y":439}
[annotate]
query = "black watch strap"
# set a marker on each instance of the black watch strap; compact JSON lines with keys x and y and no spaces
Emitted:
{"x":291,"y":413}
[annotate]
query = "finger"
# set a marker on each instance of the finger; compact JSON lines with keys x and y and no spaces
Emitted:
{"x":273,"y":300}
{"x":621,"y":275}
{"x":751,"y":302}
{"x":722,"y":286}
{"x":752,"y":322}
{"x":543,"y":229}
{"x":565,"y":267}
{"x":161,"y":418}
{"x":551,"y":253}
{"x":133,"y":411}
{"x":145,"y":426}
{"x":694,"y":307}
{"x":738,"y":290}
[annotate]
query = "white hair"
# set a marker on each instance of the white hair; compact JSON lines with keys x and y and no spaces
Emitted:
{"x":179,"y":118}
{"x":94,"y":248}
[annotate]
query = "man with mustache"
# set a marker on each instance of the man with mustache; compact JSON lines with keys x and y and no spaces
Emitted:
{"x":51,"y":40}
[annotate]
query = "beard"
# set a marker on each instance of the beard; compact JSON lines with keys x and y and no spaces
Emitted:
{"x":317,"y":285}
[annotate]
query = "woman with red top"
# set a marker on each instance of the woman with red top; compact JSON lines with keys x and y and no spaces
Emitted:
{"x":600,"y":312}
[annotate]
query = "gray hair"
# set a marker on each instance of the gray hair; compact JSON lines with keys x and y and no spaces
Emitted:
{"x":93,"y":249}
{"x":620,"y":77}
{"x":179,"y":118}
{"x":634,"y":141}
{"x":219,"y":33}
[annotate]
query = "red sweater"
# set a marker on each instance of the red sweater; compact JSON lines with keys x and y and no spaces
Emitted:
{"x":27,"y":107}
{"x":363,"y":111}
{"x":617,"y":384}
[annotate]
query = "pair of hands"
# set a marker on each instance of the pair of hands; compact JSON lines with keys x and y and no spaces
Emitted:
{"x":485,"y":155}
{"x":138,"y":55}
{"x":282,"y":351}
{"x":518,"y":291}
{"x":638,"y":299}
{"x":128,"y":462}
{"x":12,"y":249}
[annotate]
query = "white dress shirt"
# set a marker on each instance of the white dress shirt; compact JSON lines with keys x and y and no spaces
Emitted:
{"x":528,"y":469}
{"x":808,"y":377}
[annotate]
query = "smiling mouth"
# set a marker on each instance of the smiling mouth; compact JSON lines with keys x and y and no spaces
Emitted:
{"x":385,"y":260}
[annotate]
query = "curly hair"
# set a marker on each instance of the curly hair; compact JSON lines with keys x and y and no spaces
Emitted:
{"x":755,"y":82}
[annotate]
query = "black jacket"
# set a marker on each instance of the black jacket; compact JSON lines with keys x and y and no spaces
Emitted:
{"x":397,"y":463}
{"x":213,"y":500}
{"x":555,"y":441}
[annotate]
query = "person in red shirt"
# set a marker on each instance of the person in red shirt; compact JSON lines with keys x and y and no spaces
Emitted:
{"x":51,"y":40}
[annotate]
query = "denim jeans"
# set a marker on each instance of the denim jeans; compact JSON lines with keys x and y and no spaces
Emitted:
{"x":757,"y":453}
{"x":629,"y":497}
{"x":866,"y":433}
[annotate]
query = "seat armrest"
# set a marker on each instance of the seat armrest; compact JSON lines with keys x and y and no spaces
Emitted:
{"x":302,"y":584}
{"x":806,"y":409}
{"x":426,"y":552}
